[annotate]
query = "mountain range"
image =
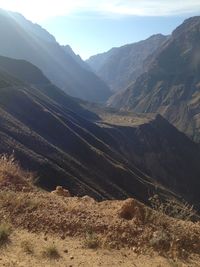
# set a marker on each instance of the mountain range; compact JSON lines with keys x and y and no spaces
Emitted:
{"x":122,"y":65}
{"x":171,"y":83}
{"x":92,"y":149}
{"x":21,"y":39}
{"x":87,"y":152}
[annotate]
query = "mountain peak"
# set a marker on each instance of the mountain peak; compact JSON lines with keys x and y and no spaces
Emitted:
{"x":157,"y":36}
{"x":187,"y":26}
{"x":191,"y":20}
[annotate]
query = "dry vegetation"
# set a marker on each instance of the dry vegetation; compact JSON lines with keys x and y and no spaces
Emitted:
{"x":91,"y":240}
{"x":5,"y":231}
{"x":51,"y":252}
{"x":27,"y":247}
{"x":13,"y":177}
{"x":100,"y":225}
{"x":172,"y":208}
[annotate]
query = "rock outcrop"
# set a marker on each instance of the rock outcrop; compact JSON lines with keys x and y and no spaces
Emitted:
{"x":60,"y":191}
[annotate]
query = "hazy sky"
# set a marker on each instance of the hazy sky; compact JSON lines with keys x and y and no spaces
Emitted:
{"x":93,"y":26}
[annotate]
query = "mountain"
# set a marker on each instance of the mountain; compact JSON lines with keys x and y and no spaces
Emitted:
{"x":121,"y":66}
{"x":21,"y":39}
{"x":171,"y":85}
{"x":77,"y":58}
{"x":104,"y":154}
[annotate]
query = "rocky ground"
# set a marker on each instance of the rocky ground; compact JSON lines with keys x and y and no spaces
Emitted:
{"x":72,"y":252}
{"x":54,"y":229}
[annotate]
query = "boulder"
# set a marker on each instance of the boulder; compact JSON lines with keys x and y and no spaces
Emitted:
{"x":131,"y":209}
{"x":60,"y":191}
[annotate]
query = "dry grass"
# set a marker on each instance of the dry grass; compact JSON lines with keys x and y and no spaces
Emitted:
{"x":11,"y":174}
{"x":172,"y":208}
{"x":91,"y":240}
{"x":16,"y":201}
{"x":51,"y":252}
{"x":8,"y":166}
{"x":5,"y":231}
{"x":27,"y":247}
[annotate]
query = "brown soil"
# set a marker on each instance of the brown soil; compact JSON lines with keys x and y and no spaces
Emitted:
{"x":121,"y":233}
{"x":76,"y":217}
{"x":73,"y":253}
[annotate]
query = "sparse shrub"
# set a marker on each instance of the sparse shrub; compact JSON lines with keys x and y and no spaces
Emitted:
{"x":91,"y":240}
{"x":174,"y":263}
{"x":11,"y":172}
{"x":160,"y":240}
{"x":8,"y":166}
{"x":27,"y":247}
{"x":172,"y":208}
{"x":17,"y":201}
{"x":5,"y":231}
{"x":51,"y":252}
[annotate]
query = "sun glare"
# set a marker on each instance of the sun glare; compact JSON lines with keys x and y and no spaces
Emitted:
{"x":38,"y":10}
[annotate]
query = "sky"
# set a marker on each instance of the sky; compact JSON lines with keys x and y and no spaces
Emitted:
{"x":95,"y":26}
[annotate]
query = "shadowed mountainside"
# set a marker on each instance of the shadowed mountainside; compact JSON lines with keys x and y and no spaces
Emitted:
{"x":98,"y":156}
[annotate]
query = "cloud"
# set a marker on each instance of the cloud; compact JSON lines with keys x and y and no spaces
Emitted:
{"x":38,"y":10}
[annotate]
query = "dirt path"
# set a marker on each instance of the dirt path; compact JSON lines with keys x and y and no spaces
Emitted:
{"x":73,"y":253}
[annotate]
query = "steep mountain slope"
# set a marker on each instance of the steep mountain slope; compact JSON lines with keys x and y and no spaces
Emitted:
{"x":37,"y":46}
{"x":105,"y":159}
{"x":77,"y":58}
{"x":23,"y":72}
{"x":121,"y":66}
{"x":171,"y":86}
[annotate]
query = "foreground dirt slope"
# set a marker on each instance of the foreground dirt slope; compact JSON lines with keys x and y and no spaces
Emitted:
{"x":73,"y":253}
{"x":85,"y":232}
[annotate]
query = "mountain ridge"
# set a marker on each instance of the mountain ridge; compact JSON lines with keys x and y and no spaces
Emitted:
{"x":120,"y":66}
{"x":170,"y":85}
{"x":36,"y":45}
{"x":54,"y":135}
